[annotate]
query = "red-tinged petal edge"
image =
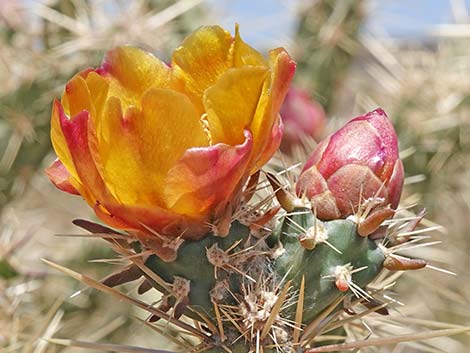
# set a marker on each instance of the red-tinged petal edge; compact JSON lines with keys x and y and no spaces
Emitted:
{"x":205,"y":178}
{"x":395,"y":184}
{"x":76,"y":134}
{"x":60,"y":177}
{"x":276,"y":137}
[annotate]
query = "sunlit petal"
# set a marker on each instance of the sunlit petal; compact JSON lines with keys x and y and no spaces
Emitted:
{"x":231,"y":103}
{"x":204,"y":177}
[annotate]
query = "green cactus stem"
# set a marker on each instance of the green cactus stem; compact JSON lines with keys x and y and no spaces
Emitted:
{"x":337,"y":247}
{"x":193,"y":265}
{"x":331,"y":256}
{"x":245,"y":288}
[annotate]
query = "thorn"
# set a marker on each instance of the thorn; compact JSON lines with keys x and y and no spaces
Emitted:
{"x":251,"y":187}
{"x":441,"y":270}
{"x":299,"y":312}
{"x":222,"y":227}
{"x":372,"y":222}
{"x":220,"y":324}
{"x":101,"y":287}
{"x":260,"y":222}
{"x":287,"y":200}
{"x":400,"y":263}
{"x":406,"y":232}
{"x":144,"y":287}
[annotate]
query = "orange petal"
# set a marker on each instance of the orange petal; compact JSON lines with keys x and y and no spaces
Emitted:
{"x":272,"y":96}
{"x":206,"y":177}
{"x":272,"y":146}
{"x":231,"y":103}
{"x":60,"y":177}
{"x":75,"y":132}
{"x":243,"y":54}
{"x":201,"y":59}
{"x":98,"y":87}
{"x":136,"y":69}
{"x":137,"y":149}
{"x":76,"y":97}
{"x":58,"y":140}
{"x":149,"y":220}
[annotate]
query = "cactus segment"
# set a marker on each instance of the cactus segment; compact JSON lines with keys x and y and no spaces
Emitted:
{"x":339,"y":252}
{"x":248,"y":288}
{"x":192,"y":264}
{"x":7,"y":271}
{"x":332,"y":257}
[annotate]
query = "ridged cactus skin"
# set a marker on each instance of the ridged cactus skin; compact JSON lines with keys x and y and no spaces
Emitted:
{"x":193,"y":265}
{"x":318,"y":265}
{"x":345,"y":248}
{"x":244,"y":290}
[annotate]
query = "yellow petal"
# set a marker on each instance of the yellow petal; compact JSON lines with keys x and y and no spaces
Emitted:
{"x":120,"y":164}
{"x":242,"y":54}
{"x":98,"y":87}
{"x":273,"y":93}
{"x":136,"y":69}
{"x":58,"y":140}
{"x":138,"y":149}
{"x":76,"y":97}
{"x":201,"y":59}
{"x":231,"y":103}
{"x":169,"y":125}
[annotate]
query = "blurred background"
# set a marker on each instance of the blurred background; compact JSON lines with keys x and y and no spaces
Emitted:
{"x":412,"y":58}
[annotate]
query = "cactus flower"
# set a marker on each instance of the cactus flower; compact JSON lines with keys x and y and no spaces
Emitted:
{"x":356,"y":164}
{"x":164,"y":149}
{"x":302,"y":118}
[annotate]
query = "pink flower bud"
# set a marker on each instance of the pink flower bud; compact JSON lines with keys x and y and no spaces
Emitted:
{"x":357,"y":164}
{"x":302,"y":117}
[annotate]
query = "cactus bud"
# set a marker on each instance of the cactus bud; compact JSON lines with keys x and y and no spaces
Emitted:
{"x":356,"y":165}
{"x":302,"y":117}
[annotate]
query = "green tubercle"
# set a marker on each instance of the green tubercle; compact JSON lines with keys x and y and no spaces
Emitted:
{"x":193,"y":264}
{"x":339,"y":245}
{"x":247,"y":275}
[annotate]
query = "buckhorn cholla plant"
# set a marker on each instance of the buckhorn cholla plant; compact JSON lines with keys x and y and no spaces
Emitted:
{"x":170,"y":157}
